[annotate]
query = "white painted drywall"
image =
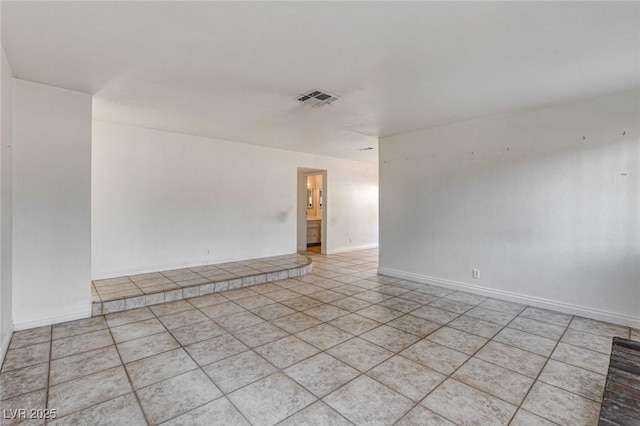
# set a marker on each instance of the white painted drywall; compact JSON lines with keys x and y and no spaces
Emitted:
{"x":544,"y":202}
{"x":164,"y":200}
{"x":6,"y":320}
{"x":51,"y":204}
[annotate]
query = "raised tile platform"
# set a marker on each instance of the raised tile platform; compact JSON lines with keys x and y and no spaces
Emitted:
{"x":130,"y":292}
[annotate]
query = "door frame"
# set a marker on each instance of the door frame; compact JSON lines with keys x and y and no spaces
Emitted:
{"x":301,"y":243}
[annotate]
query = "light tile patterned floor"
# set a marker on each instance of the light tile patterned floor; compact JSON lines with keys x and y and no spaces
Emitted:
{"x":339,"y":346}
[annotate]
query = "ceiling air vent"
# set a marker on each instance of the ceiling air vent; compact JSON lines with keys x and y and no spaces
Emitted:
{"x":316,"y":98}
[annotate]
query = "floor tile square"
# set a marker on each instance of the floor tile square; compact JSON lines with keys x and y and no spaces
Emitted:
{"x":271,"y":400}
{"x":574,"y":379}
{"x":400,"y":305}
{"x":282,"y":295}
{"x":181,"y":319}
{"x":538,"y":328}
{"x":301,"y":303}
{"x":136,"y":330}
{"x":239,"y":370}
{"x":126,"y":317}
{"x":327,"y":296}
{"x":465,"y":405}
{"x":414,"y":325}
{"x":317,"y":414}
{"x":580,"y":357}
{"x":451,"y":305}
{"x":324,"y":336}
{"x":351,"y":304}
{"x":490,"y":315}
{"x":219,"y":412}
{"x":433,"y":290}
{"x":121,"y":410}
{"x":372,"y":296}
{"x":434,"y":314}
{"x":525,"y":418}
{"x":197,"y":332}
{"x":434,"y":356}
{"x":560,"y":406}
{"x":236,"y":322}
{"x":296,"y":322}
{"x":146,"y":346}
{"x":74,"y":395}
{"x":390,"y":338}
{"x":208,"y":300}
{"x":157,"y":368}
{"x":420,"y":416}
{"x":260,"y":334}
{"x":171,"y":307}
{"x":30,"y":337}
{"x":365,"y":401}
{"x":590,"y":341}
{"x":599,"y":327}
{"x":494,"y":380}
{"x":360,"y":354}
{"x":177,"y":395}
{"x":80,"y":343}
{"x":475,"y":326}
{"x":23,"y":380}
{"x":392,"y":290}
{"x":349,"y":290}
{"x":273,"y":311}
{"x":212,"y":350}
{"x":503,"y":306}
{"x":526,"y":341}
{"x":409,"y":378}
{"x":379,"y":313}
{"x":81,"y":326}
{"x":518,"y":360}
{"x":354,"y":324}
{"x":254,"y":302}
{"x":326,"y":312}
{"x":220,"y":310}
{"x":458,"y":340}
{"x":321,"y":374}
{"x":419,"y":297}
{"x":83,"y":364}
{"x":36,"y":400}
{"x":26,"y":356}
{"x":287,"y":351}
{"x":544,"y":315}
{"x":468,"y":298}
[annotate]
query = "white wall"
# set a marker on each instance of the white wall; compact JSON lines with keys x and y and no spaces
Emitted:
{"x":544,"y":202}
{"x":52,"y":204}
{"x":6,"y":320}
{"x":163,"y":200}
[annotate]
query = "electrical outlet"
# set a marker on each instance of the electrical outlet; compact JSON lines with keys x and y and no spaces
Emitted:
{"x":475,"y":274}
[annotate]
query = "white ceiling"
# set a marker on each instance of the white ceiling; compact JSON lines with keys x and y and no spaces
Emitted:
{"x":233,"y":70}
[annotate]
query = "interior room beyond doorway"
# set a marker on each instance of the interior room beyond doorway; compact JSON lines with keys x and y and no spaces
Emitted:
{"x":314,"y":204}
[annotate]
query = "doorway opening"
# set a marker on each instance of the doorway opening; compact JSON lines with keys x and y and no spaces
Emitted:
{"x":312,"y":216}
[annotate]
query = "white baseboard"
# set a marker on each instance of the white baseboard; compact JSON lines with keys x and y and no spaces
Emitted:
{"x":52,"y":319}
{"x":568,"y":308}
{"x":4,"y":342}
{"x":352,"y":248}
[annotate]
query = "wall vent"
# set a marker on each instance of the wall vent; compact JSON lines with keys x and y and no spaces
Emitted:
{"x":316,"y":98}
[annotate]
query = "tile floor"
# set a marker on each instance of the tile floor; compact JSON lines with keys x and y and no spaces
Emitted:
{"x":339,"y":346}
